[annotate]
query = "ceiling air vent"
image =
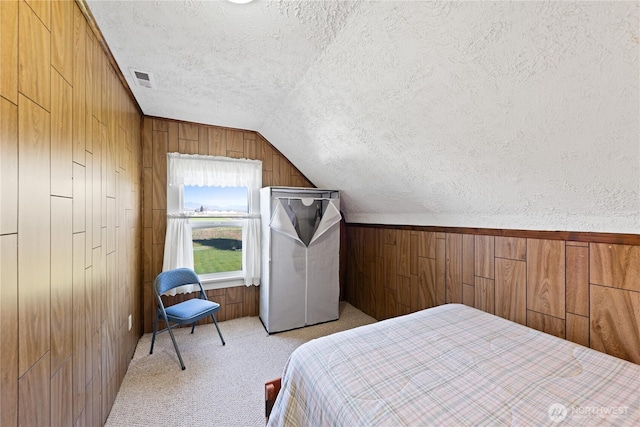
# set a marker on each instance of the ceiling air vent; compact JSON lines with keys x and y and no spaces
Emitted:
{"x":143,"y":78}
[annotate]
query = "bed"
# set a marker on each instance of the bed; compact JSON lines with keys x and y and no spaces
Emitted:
{"x":453,"y":365}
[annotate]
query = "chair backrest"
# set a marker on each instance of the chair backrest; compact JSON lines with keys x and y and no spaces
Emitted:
{"x":173,"y":278}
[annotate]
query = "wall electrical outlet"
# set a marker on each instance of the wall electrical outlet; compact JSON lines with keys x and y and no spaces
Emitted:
{"x":130,"y":320}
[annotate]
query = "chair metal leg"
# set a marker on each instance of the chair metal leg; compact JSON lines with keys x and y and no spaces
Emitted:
{"x":155,"y":329}
{"x":213,"y":316}
{"x":175,"y":344}
{"x":193,"y":326}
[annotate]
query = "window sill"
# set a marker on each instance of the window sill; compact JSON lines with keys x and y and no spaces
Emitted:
{"x":221,"y":281}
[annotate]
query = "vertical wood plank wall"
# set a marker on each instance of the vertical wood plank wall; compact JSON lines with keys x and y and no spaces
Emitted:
{"x":586,"y":292}
{"x":160,"y":137}
{"x":70,"y":219}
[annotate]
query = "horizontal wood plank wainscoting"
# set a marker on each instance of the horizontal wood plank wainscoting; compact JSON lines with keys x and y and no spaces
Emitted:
{"x":70,"y":219}
{"x":584,"y":287}
{"x":160,"y":136}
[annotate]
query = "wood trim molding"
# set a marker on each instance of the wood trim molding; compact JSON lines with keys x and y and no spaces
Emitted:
{"x":82,"y":4}
{"x":198,"y":124}
{"x":241,"y":130}
{"x":286,"y":158}
{"x":579,"y":236}
{"x":84,"y":8}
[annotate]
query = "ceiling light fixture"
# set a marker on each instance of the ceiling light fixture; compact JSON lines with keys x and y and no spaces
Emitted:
{"x":240,"y":1}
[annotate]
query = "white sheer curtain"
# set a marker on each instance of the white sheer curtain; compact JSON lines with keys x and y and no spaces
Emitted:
{"x":251,"y":235}
{"x":194,"y":169}
{"x":188,"y":169}
{"x":178,"y":250}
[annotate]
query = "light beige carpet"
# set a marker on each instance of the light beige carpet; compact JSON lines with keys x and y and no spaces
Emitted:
{"x":222,"y":386}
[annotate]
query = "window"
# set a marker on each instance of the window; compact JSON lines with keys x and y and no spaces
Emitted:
{"x":217,"y":239}
{"x":213,"y":217}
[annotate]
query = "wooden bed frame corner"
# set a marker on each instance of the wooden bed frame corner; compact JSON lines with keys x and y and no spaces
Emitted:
{"x":271,"y":390}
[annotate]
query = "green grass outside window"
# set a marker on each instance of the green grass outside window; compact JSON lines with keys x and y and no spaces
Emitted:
{"x":217,"y":250}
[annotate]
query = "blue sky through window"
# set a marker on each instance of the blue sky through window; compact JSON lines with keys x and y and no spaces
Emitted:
{"x":219,"y":199}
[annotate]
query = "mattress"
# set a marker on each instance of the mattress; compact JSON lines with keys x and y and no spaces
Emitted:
{"x":454,"y":365}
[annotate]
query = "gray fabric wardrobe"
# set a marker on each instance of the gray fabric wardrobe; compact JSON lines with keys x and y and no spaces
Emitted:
{"x":300,"y":257}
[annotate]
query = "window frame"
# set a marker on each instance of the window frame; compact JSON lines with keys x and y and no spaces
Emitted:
{"x":197,"y":169}
{"x":227,"y":279}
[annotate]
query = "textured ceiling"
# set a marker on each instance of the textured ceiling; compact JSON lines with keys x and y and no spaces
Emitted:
{"x":521,"y":115}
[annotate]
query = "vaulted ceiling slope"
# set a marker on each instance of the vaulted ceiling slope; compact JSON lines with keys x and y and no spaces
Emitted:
{"x":522,"y":115}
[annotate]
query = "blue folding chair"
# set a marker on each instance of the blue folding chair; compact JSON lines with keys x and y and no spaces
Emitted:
{"x":184,"y":313}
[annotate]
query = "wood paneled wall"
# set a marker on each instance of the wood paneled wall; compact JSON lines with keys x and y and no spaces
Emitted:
{"x":586,"y":292}
{"x":159,"y":137}
{"x":70,"y":219}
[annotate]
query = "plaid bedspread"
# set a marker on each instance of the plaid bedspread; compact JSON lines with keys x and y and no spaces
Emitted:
{"x":454,"y":365}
